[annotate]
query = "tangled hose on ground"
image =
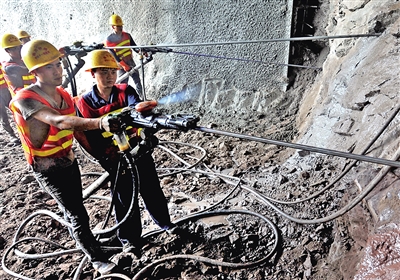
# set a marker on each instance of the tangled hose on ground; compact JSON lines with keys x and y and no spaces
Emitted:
{"x":191,"y":167}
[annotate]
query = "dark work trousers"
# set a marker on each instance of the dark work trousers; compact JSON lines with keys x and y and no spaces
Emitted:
{"x":5,"y":98}
{"x":151,"y":193}
{"x":65,"y":187}
{"x":135,"y":77}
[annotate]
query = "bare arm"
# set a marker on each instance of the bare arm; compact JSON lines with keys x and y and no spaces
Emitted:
{"x":54,"y":118}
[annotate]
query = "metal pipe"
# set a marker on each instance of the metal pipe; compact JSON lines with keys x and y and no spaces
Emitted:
{"x":96,"y":185}
{"x":127,"y":74}
{"x":142,"y":68}
{"x":247,"y":60}
{"x":302,"y":147}
{"x":312,"y":38}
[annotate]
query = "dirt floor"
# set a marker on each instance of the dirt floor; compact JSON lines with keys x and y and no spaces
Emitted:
{"x":231,"y":207}
{"x":237,"y":207}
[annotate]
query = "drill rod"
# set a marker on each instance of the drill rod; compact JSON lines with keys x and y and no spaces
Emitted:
{"x":301,"y":147}
{"x":310,"y":38}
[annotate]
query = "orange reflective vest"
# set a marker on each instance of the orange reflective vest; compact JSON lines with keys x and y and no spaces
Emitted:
{"x":125,"y":41}
{"x":102,"y":142}
{"x":58,"y":142}
{"x":3,"y":83}
{"x":27,"y":78}
{"x":89,"y":112}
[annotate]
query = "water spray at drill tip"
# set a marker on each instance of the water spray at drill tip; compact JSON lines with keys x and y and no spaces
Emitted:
{"x":185,"y":95}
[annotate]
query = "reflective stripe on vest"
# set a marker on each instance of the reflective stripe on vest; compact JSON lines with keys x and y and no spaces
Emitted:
{"x":2,"y":79}
{"x":49,"y":151}
{"x":125,"y":41}
{"x":58,"y":142}
{"x":28,"y":80}
{"x":123,"y":52}
{"x":89,"y":112}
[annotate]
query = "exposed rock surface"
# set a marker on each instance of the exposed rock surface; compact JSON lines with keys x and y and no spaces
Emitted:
{"x":341,"y":107}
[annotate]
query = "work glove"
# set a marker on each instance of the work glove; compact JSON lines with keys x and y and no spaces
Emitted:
{"x":110,"y":123}
{"x":151,"y":142}
{"x":145,"y":146}
{"x":125,"y":66}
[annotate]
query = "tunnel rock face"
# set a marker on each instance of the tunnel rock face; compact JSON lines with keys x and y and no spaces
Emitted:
{"x":250,"y":67}
{"x":358,"y":87}
{"x":351,"y":100}
{"x":341,"y":107}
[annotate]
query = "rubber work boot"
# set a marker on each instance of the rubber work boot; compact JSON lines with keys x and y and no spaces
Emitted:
{"x":104,"y":268}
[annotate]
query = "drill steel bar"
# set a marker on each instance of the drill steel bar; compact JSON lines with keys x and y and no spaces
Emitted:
{"x":311,"y":38}
{"x":301,"y":147}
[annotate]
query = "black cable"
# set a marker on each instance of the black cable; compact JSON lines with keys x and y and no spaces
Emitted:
{"x":212,"y":261}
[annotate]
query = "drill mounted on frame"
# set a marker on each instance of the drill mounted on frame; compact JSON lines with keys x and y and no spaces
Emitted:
{"x":79,"y":50}
{"x":150,"y":122}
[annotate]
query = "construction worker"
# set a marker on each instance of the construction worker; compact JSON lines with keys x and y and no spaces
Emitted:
{"x":15,"y":72}
{"x":5,"y":98}
{"x":45,"y":116}
{"x":23,"y":36}
{"x":104,"y":98}
{"x":119,"y":38}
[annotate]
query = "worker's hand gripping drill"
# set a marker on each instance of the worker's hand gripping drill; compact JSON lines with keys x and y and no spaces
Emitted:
{"x":148,"y":123}
{"x":111,"y":123}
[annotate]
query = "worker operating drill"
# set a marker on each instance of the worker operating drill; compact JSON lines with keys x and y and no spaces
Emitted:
{"x":104,"y":98}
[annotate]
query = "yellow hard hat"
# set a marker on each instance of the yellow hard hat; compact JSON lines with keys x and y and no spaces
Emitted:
{"x":38,"y":53}
{"x":101,"y":59}
{"x":22,"y":34}
{"x":115,"y":20}
{"x":9,"y":41}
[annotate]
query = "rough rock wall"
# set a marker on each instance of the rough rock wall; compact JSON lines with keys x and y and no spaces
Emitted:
{"x":165,"y":22}
{"x":351,"y":100}
{"x":358,"y":88}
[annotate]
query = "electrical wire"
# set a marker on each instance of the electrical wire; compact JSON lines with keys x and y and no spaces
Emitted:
{"x":259,"y":196}
{"x":189,"y":166}
{"x":335,"y":215}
